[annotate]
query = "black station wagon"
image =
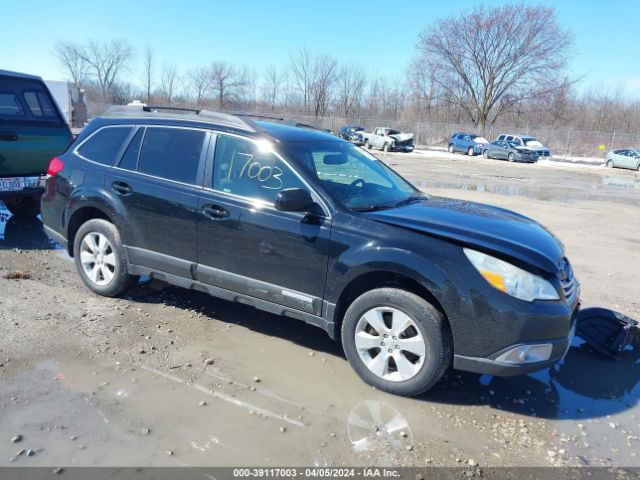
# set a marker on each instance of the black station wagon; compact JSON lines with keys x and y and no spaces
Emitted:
{"x":303,"y":224}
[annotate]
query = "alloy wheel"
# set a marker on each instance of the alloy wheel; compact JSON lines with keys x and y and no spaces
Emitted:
{"x":390,"y":344}
{"x":97,"y":258}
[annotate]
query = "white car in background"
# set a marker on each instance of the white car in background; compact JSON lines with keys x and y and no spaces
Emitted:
{"x":624,"y":158}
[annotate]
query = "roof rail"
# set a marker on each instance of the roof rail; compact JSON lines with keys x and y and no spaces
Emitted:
{"x":139,"y":109}
{"x":259,"y":115}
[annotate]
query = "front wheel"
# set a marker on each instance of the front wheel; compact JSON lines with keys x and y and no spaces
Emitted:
{"x":450,"y":149}
{"x":396,"y":341}
{"x":386,"y":147}
{"x":511,"y":157}
{"x":24,"y":207}
{"x":100,"y":259}
{"x":366,"y":145}
{"x":609,"y":163}
{"x":470,"y":152}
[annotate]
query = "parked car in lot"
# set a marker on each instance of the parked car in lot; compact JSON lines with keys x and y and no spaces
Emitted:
{"x":468,"y":143}
{"x":624,"y":158}
{"x":526,"y":141}
{"x":32,"y":130}
{"x":388,"y":140}
{"x":303,"y":224}
{"x":352,"y":133}
{"x":503,"y":150}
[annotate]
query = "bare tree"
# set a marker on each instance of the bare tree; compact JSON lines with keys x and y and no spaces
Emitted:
{"x":226,"y":81}
{"x":168,"y":82}
{"x":496,"y":56}
{"x":273,"y":82}
{"x":107,"y":60}
{"x":68,"y":54}
{"x":199,"y":83}
{"x":148,"y":71}
{"x":351,"y":82}
{"x":315,"y":76}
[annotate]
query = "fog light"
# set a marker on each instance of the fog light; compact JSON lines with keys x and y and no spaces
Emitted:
{"x":522,"y":354}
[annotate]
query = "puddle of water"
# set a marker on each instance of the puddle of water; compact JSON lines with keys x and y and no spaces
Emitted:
{"x":547,"y":193}
{"x":27,"y":234}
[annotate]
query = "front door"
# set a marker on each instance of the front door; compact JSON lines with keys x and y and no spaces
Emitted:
{"x":157,"y":181}
{"x":245,"y":244}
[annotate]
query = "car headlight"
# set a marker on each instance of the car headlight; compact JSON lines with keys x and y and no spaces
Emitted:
{"x":510,"y":279}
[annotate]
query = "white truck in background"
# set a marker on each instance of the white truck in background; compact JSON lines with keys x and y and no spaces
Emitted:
{"x":388,"y":140}
{"x":71,"y":101}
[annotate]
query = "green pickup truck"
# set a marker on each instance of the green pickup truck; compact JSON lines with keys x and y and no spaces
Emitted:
{"x":32,"y":131}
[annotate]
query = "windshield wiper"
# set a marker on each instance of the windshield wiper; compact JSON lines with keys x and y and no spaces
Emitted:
{"x":411,"y":199}
{"x":372,"y":208}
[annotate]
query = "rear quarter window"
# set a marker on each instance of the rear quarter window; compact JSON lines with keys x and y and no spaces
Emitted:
{"x":103,"y":146}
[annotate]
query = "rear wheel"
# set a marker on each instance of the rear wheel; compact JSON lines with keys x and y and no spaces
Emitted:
{"x":100,"y":259}
{"x":396,"y":341}
{"x":450,"y":149}
{"x":24,"y":207}
{"x":485,"y":154}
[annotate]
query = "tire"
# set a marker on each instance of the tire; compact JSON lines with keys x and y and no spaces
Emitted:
{"x":609,"y":163}
{"x":100,"y":230}
{"x":427,"y":324}
{"x":511,"y":157}
{"x":450,"y":149}
{"x":24,"y":207}
{"x":386,"y":148}
{"x":366,"y":145}
{"x":470,"y":152}
{"x":486,"y":155}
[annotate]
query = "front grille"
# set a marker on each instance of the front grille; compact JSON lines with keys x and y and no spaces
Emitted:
{"x":568,"y":281}
{"x":404,"y":143}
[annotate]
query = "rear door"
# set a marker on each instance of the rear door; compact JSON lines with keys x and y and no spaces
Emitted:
{"x":32,"y":130}
{"x":157,"y":181}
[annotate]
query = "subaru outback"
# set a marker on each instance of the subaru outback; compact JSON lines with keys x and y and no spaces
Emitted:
{"x":306,"y":225}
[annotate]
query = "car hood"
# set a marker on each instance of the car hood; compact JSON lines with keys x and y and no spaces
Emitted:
{"x":401,"y":137}
{"x":481,"y":226}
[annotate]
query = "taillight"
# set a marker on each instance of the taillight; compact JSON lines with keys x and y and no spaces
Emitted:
{"x":55,"y":166}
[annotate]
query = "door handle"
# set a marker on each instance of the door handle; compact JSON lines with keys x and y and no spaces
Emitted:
{"x":214,"y":212}
{"x":121,"y":188}
{"x":8,"y":136}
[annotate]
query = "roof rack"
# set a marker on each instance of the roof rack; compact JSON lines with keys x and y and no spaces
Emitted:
{"x":137,"y":109}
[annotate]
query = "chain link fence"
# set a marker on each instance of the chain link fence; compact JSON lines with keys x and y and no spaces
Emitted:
{"x":564,"y":142}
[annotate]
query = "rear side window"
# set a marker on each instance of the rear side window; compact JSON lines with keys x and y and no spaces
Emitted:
{"x":9,"y":105}
{"x":39,"y":104}
{"x":171,"y":153}
{"x":104,"y":145}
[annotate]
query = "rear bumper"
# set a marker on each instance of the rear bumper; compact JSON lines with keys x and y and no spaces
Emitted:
{"x":36,"y":188}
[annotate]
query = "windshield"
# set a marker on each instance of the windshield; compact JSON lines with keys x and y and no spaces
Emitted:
{"x":391,"y":131}
{"x":531,"y":142}
{"x":352,"y":176}
{"x":480,"y":140}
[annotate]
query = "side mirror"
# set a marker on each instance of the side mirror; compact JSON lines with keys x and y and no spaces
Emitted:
{"x":293,"y":200}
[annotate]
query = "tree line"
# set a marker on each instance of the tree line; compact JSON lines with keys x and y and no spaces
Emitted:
{"x":504,"y":65}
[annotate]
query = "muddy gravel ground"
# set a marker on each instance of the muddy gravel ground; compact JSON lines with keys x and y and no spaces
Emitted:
{"x":165,"y":376}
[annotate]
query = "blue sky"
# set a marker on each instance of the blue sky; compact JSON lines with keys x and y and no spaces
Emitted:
{"x":381,"y":35}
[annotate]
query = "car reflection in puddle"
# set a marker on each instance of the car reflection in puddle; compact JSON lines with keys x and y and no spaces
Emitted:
{"x":377,"y":426}
{"x":24,"y":234}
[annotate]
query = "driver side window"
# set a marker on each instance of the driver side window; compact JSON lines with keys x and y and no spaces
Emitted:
{"x":242,"y":168}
